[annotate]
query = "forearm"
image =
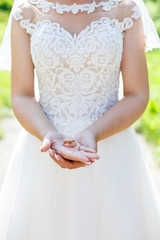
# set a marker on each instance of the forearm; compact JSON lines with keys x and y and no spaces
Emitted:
{"x":122,"y":115}
{"x":31,"y":116}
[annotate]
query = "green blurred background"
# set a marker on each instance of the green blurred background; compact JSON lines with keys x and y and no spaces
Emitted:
{"x":148,"y":124}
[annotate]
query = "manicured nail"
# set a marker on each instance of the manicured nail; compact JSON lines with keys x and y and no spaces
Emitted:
{"x":56,"y":156}
{"x":53,"y":151}
{"x":50,"y":152}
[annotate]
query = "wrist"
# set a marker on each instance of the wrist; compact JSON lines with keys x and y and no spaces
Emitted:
{"x":92,"y":132}
{"x":87,"y":138}
{"x":51,"y":132}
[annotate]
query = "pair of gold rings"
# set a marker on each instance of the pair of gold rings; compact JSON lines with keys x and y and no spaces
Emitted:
{"x":69,"y":143}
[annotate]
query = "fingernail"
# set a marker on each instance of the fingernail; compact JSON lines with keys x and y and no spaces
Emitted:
{"x":53,"y":152}
{"x":50,"y":152}
{"x":56,"y":156}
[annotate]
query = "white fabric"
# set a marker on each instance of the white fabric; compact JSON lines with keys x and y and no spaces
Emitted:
{"x":151,"y":37}
{"x":74,"y":8}
{"x":88,"y":57}
{"x":115,"y":198}
{"x":73,"y":57}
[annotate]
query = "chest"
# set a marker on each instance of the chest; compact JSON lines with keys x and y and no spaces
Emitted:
{"x":99,"y":43}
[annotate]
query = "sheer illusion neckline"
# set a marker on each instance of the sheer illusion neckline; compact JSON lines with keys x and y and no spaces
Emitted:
{"x":121,"y":26}
{"x":46,"y":6}
{"x":75,"y":36}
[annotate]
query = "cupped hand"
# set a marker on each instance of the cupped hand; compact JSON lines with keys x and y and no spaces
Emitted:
{"x":67,"y":157}
{"x":87,"y":140}
{"x":65,"y":163}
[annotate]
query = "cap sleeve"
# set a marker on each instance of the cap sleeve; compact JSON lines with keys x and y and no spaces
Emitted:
{"x":25,"y":15}
{"x":129,"y":12}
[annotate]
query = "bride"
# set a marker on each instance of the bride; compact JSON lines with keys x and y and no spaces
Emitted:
{"x":76,"y":50}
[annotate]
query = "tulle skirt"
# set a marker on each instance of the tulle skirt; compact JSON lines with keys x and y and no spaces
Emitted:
{"x":115,"y":198}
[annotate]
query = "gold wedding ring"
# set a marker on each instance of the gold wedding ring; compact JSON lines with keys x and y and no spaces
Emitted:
{"x":69,"y":143}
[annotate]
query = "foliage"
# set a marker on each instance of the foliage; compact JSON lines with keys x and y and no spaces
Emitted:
{"x":153,"y":8}
{"x":6,"y":4}
{"x":149,"y":123}
{"x":5,"y":102}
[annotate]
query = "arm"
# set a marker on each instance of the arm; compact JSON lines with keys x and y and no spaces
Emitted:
{"x":27,"y":110}
{"x":136,"y":91}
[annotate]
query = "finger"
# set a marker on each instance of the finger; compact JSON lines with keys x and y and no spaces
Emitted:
{"x":56,"y":159}
{"x":68,"y":163}
{"x":63,"y":162}
{"x":45,"y":145}
{"x":51,"y":152}
{"x":59,"y":162}
{"x":87,"y":149}
{"x":69,"y":154}
{"x":77,"y":164}
{"x":93,"y":156}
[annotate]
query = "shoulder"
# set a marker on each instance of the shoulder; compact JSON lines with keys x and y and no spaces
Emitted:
{"x":127,"y":4}
{"x":23,"y":16}
{"x":127,"y":12}
{"x":132,"y":18}
{"x":23,"y":10}
{"x":129,"y":8}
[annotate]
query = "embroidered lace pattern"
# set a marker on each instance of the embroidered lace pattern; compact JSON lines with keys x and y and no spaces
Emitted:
{"x":75,"y":8}
{"x":78,"y":74}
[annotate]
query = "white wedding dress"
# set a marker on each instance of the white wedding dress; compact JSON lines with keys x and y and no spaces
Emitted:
{"x":77,"y":60}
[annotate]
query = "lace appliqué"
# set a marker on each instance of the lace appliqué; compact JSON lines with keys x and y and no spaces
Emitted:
{"x":74,"y":8}
{"x":17,"y":14}
{"x":127,"y":22}
{"x":78,"y":74}
{"x":24,"y":23}
{"x":121,"y":26}
{"x":78,"y":79}
{"x":136,"y":12}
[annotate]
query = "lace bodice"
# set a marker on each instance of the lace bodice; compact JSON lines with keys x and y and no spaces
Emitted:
{"x":78,"y":72}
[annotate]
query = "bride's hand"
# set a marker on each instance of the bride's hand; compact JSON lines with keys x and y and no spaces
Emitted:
{"x":87,"y":140}
{"x":48,"y":140}
{"x":53,"y":142}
